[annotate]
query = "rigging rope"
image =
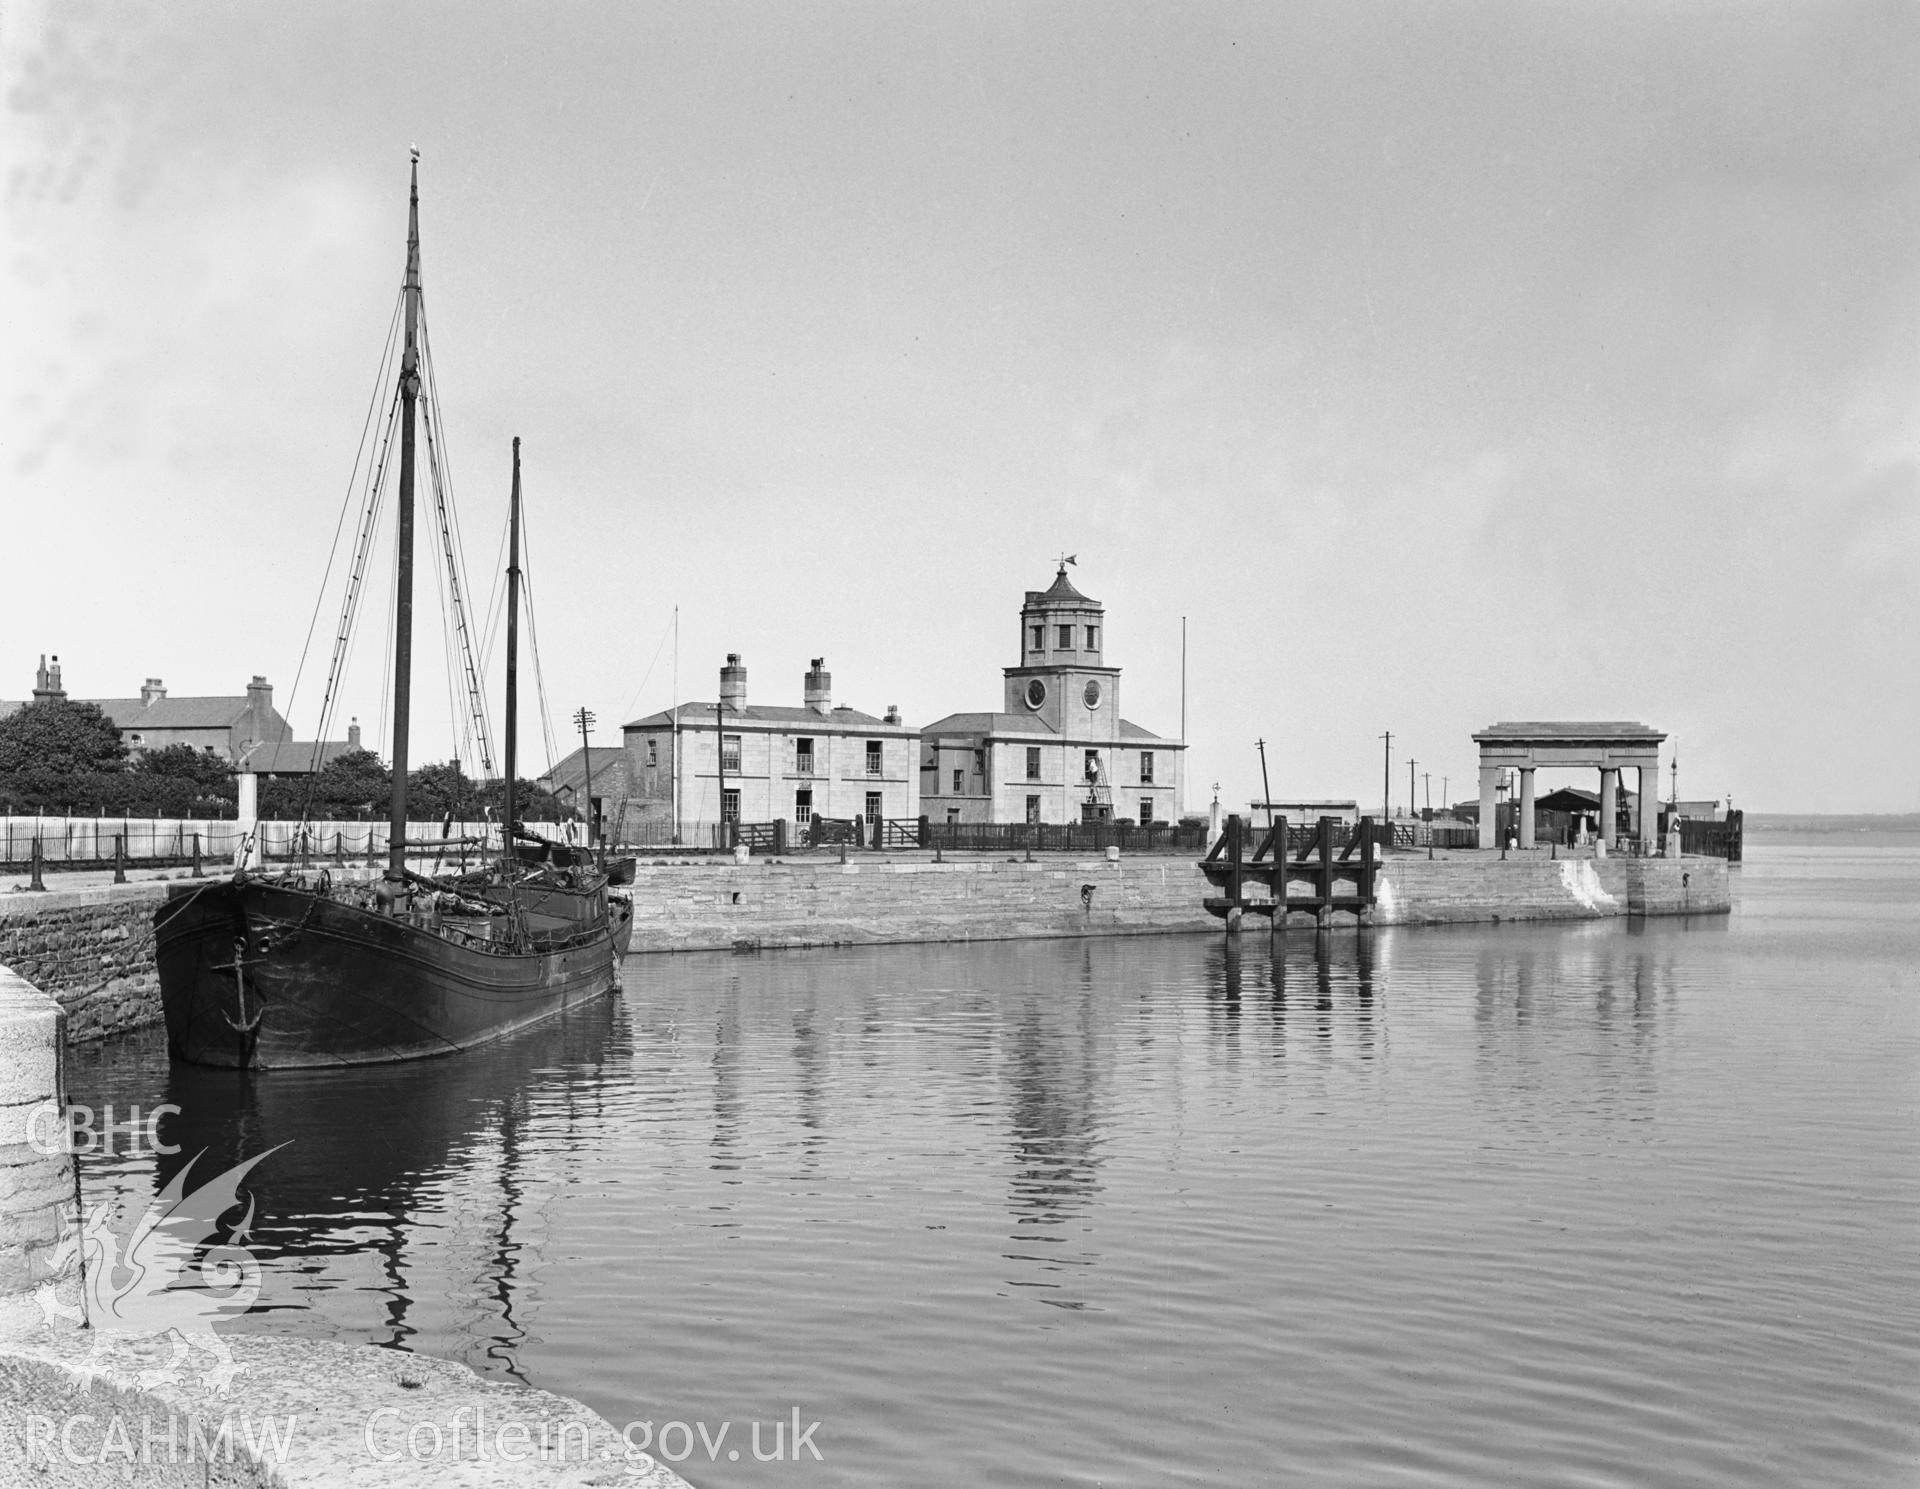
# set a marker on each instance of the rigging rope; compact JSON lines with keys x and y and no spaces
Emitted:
{"x":346,"y":502}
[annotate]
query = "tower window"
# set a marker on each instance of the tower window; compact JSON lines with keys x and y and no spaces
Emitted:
{"x":959,"y":780}
{"x":1039,"y":638}
{"x":1093,"y":638}
{"x":1033,"y":762}
{"x":1066,"y":638}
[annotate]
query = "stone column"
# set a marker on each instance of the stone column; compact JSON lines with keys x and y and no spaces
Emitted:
{"x":1609,"y":805}
{"x":1526,"y":806}
{"x":1489,"y":783}
{"x":1649,"y":823}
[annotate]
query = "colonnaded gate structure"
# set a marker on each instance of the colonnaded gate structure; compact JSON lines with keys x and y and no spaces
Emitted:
{"x":1607,"y":747}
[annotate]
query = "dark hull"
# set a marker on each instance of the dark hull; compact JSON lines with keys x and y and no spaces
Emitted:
{"x":323,"y":982}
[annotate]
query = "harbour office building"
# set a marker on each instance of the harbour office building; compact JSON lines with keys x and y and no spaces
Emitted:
{"x":736,"y":761}
{"x":1058,"y":750}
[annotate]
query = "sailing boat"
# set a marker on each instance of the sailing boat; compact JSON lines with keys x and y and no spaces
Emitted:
{"x":265,"y":971}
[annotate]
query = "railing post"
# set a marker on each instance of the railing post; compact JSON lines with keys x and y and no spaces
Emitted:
{"x":36,"y":882}
{"x":119,"y":858}
{"x":197,"y":874}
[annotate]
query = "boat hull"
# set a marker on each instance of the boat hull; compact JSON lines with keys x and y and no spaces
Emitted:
{"x":265,"y":976}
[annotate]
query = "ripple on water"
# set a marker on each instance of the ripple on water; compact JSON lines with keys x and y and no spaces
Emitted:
{"x":1595,"y":1204}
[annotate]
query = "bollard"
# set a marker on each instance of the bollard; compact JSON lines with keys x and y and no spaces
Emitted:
{"x":196,"y":857}
{"x":340,"y":847}
{"x":36,"y":882}
{"x":119,"y":858}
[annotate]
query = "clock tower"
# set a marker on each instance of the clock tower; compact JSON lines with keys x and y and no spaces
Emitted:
{"x":1062,"y":683}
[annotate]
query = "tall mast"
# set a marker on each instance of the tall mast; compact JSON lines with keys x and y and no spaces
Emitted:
{"x":513,"y":643}
{"x":403,"y":543}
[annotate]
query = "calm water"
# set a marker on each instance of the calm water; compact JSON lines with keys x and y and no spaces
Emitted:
{"x":1596,"y":1205}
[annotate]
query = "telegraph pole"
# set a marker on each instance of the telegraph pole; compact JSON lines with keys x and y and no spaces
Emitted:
{"x":1386,"y":780}
{"x":1411,"y":762}
{"x":585,"y":720}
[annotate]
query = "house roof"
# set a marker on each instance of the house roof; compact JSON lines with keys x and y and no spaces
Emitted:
{"x":294,"y":757}
{"x":700,"y":716}
{"x":604,"y":757}
{"x":172,"y":713}
{"x":989,"y":723}
{"x":1019,"y":723}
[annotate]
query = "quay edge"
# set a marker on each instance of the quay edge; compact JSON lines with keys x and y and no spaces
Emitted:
{"x":92,"y":949}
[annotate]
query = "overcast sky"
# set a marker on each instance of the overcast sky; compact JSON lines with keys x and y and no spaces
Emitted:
{"x":1440,"y":363}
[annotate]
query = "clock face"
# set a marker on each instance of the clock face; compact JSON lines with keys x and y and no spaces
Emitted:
{"x":1092,"y":694}
{"x":1036,"y":692}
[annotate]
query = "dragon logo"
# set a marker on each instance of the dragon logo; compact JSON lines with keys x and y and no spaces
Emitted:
{"x":167,"y":1276}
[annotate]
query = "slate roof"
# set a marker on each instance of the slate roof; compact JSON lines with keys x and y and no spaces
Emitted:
{"x":293,"y":757}
{"x":173,"y":713}
{"x":1017,"y":723}
{"x":989,"y":723}
{"x":700,"y":715}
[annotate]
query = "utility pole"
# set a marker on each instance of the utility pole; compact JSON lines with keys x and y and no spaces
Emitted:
{"x":1386,"y":781}
{"x":1411,"y":762}
{"x":586,"y":721}
{"x":1266,"y":792}
{"x":1426,"y":779}
{"x":1445,"y":781}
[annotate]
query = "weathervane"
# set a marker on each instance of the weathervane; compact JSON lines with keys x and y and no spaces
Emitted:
{"x":1069,"y":558}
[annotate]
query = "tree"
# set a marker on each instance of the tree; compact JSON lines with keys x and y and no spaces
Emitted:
{"x":59,"y":737}
{"x":180,"y":781}
{"x":354,"y":783}
{"x":531,"y":803}
{"x":443,"y":791}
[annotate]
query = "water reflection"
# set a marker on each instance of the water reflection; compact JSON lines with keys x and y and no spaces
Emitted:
{"x":403,"y":1184}
{"x":1054,"y":1056}
{"x":1317,"y":973}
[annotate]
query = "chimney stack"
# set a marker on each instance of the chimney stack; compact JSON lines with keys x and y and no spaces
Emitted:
{"x":733,"y":683}
{"x":819,"y":687}
{"x":151,"y":692}
{"x":47,"y":683}
{"x":353,"y":735}
{"x":893,"y":713}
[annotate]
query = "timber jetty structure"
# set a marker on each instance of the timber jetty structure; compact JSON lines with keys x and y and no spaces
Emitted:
{"x":1327,"y":867}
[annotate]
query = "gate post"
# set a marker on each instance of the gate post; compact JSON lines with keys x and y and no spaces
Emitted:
{"x":119,"y":858}
{"x":36,"y":882}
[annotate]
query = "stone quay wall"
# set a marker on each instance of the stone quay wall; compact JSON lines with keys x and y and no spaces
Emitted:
{"x":91,"y":950}
{"x":37,"y":1198}
{"x":706,"y":905}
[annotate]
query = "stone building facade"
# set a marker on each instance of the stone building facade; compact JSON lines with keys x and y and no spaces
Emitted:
{"x":780,"y":761}
{"x":1057,"y":750}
